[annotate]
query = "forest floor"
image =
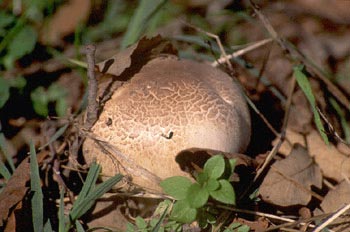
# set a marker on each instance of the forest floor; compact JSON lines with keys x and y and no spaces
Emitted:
{"x":291,"y":57}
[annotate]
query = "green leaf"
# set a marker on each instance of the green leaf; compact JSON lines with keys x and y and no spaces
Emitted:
{"x":305,"y":86}
{"x":130,"y":227}
{"x":176,"y":186}
{"x":212,"y":184}
{"x":6,"y":19}
{"x":197,"y":195}
{"x":202,"y":178}
{"x":243,"y":228}
{"x":23,"y":43}
{"x":61,"y":107}
{"x":224,"y":193}
{"x":182,"y":212}
{"x":17,"y":82}
{"x":232,"y":163}
{"x":40,"y":101}
{"x":55,"y":92}
{"x":4,"y":92}
{"x":140,"y":20}
{"x":35,"y":187}
{"x":6,"y":84}
{"x":215,"y":167}
{"x":140,"y":223}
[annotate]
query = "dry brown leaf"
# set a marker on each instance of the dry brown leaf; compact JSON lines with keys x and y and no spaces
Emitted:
{"x":16,"y":188}
{"x":337,"y":197}
{"x":108,"y":213}
{"x":337,"y":11}
{"x":136,"y":56}
{"x":333,"y":201}
{"x":258,"y":226}
{"x":65,"y":21}
{"x":288,"y":182}
{"x":332,"y":162}
{"x":300,"y":116}
{"x":15,"y":221}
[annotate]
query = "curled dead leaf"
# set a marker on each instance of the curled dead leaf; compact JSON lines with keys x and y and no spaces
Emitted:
{"x":289,"y":181}
{"x":136,"y":56}
{"x":333,"y":163}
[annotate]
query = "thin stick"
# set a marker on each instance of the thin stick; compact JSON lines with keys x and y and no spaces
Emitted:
{"x":332,"y":218}
{"x":218,"y":41}
{"x":241,"y":52}
{"x":92,"y":108}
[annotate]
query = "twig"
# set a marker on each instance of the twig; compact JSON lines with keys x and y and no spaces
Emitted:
{"x":289,"y":222}
{"x":92,"y":107}
{"x":223,"y":54}
{"x":281,"y":137}
{"x":265,"y":120}
{"x":241,"y":52}
{"x":332,"y":218}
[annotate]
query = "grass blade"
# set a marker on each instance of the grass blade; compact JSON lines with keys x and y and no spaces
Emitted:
{"x":4,"y":171}
{"x":37,"y":198}
{"x":87,"y":202}
{"x":343,"y":120}
{"x":305,"y":86}
{"x":89,"y":183}
{"x":79,"y":227}
{"x":3,"y":148}
{"x":48,"y":226}
{"x":61,"y":217}
{"x":140,"y":20}
{"x":160,"y":221}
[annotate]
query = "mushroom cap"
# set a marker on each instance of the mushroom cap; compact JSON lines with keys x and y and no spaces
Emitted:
{"x":170,"y":105}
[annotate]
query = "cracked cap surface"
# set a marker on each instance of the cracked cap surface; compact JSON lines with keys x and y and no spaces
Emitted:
{"x":168,"y":106}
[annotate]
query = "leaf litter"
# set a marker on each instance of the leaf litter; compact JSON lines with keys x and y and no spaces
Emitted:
{"x":289,"y":180}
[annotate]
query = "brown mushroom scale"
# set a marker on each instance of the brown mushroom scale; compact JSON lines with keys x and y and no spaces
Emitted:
{"x":170,"y":105}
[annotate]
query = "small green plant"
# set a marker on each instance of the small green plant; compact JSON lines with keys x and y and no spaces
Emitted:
{"x":156,"y":222}
{"x":6,"y":85}
{"x":237,"y":227}
{"x":41,"y":98}
{"x":191,"y":198}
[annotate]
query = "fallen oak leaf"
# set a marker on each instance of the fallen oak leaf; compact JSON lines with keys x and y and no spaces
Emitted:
{"x":289,"y":180}
{"x":337,"y":197}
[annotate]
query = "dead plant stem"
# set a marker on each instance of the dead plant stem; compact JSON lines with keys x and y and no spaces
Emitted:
{"x":92,"y":107}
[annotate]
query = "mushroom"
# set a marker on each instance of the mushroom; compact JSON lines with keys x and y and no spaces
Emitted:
{"x":168,"y":106}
